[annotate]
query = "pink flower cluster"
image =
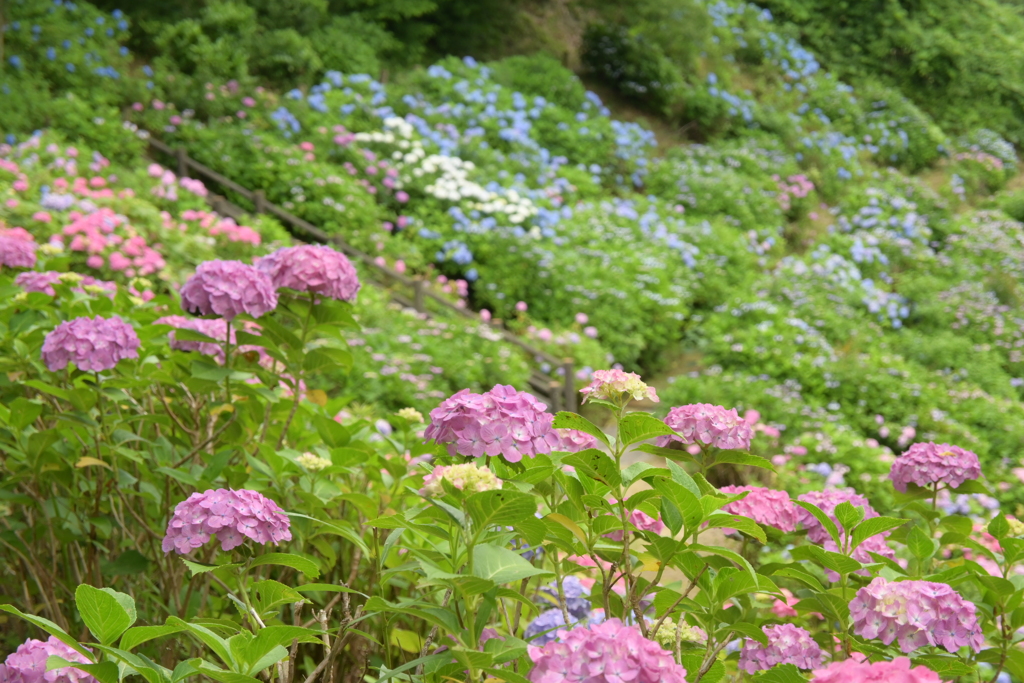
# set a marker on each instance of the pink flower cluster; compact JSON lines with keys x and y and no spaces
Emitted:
{"x":316,"y":269}
{"x":787,"y":644}
{"x":228,"y":288}
{"x":574,"y":441}
{"x":710,"y":425}
{"x":929,"y":463}
{"x":856,"y":670}
{"x":764,"y":506}
{"x":916,"y":613}
{"x":27,"y":664}
{"x":92,"y":344}
{"x":104,"y":232}
{"x":502,"y":421}
{"x":606,"y":653}
{"x":612,"y":385}
{"x":798,"y":186}
{"x":229,"y":515}
{"x":34,"y":281}
{"x":17,"y":248}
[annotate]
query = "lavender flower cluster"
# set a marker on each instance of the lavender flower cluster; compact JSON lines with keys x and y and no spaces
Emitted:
{"x":229,"y":515}
{"x":92,"y":344}
{"x":710,"y":425}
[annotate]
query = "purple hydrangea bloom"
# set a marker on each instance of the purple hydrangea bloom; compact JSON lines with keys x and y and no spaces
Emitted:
{"x":230,"y":515}
{"x":34,"y":281}
{"x":57,"y":202}
{"x":827,"y":501}
{"x":915,"y":613}
{"x":228,"y":288}
{"x":502,"y":421}
{"x":787,"y":644}
{"x":27,"y":664}
{"x":576,"y":595}
{"x":606,"y":653}
{"x":574,"y":441}
{"x":709,"y":425}
{"x":312,"y":268}
{"x":549,"y":624}
{"x":16,"y":252}
{"x":764,"y":506}
{"x":92,"y":344}
{"x":929,"y":463}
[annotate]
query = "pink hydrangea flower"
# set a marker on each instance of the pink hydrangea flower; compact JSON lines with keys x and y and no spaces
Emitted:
{"x":312,"y":268}
{"x":915,"y":613}
{"x":228,"y":288}
{"x":787,"y":644}
{"x":856,"y":670}
{"x":827,"y":501}
{"x":764,"y":506}
{"x":16,"y":252}
{"x":574,"y":441}
{"x":502,"y":421}
{"x":606,"y":653}
{"x":229,"y":515}
{"x":27,"y":664}
{"x":92,"y":344}
{"x":611,"y":385}
{"x":929,"y":463}
{"x":710,"y":425}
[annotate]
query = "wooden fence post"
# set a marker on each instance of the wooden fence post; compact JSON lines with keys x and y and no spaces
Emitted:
{"x":568,"y":385}
{"x":417,"y":295}
{"x":182,"y":157}
{"x":259,"y":198}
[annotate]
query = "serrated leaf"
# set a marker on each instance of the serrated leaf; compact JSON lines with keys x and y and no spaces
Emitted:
{"x":306,"y":566}
{"x":104,"y":672}
{"x":727,"y":554}
{"x":783,"y":673}
{"x":743,"y":524}
{"x":636,"y":427}
{"x":921,"y":545}
{"x":999,"y":527}
{"x":106,"y":614}
{"x":873,"y":527}
{"x":268,"y":594}
{"x":501,"y":565}
{"x":138,"y":635}
{"x":500,"y":508}
{"x":670,"y":454}
{"x":743,"y":628}
{"x":565,"y":420}
{"x":848,"y":515}
{"x":597,"y":465}
{"x":200,"y":568}
{"x":570,"y":525}
{"x":680,"y":476}
{"x":741,"y":458}
{"x":51,"y":628}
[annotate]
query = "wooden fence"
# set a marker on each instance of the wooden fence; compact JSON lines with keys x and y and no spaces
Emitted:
{"x":559,"y":392}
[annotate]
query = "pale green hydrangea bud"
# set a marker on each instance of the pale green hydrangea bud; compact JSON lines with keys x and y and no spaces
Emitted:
{"x":411,"y":415}
{"x":313,"y":462}
{"x":666,"y":635}
{"x":467,"y":478}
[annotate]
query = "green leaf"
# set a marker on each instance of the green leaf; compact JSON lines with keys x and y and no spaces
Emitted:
{"x":741,"y":458}
{"x":501,"y":565}
{"x":51,"y":628}
{"x":783,"y":673}
{"x":199,"y":568}
{"x":744,"y":524}
{"x":264,"y":645}
{"x":959,"y":524}
{"x":680,"y":477}
{"x":207,"y":637}
{"x":727,"y":554}
{"x":134,"y":637}
{"x":105,"y":612}
{"x":873,"y":527}
{"x":837,"y":562}
{"x":671,"y":515}
{"x":999,"y":527}
{"x":849,"y":515}
{"x":998,"y":585}
{"x":748,"y":630}
{"x":570,"y":525}
{"x":597,"y":465}
{"x":670,"y":454}
{"x":971,"y":486}
{"x":920,"y":544}
{"x":500,"y":508}
{"x":104,"y":672}
{"x":637,"y":427}
{"x":946,"y":667}
{"x":564,"y":420}
{"x":823,"y":519}
{"x":798,"y":573}
{"x":306,"y":566}
{"x":270,"y":594}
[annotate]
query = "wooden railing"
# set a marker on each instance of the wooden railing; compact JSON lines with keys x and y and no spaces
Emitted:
{"x":560,"y":392}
